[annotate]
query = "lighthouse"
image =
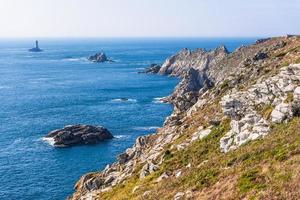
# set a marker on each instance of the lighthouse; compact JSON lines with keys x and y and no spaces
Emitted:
{"x":36,"y":48}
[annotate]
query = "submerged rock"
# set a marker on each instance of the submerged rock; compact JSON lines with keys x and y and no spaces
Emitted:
{"x":100,"y":58}
{"x":79,"y":134}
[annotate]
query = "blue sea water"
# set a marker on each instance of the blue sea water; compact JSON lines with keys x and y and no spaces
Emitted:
{"x":43,"y":91}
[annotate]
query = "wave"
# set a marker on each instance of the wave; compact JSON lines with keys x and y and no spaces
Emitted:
{"x":75,"y":59}
{"x":48,"y":140}
{"x":124,"y":100}
{"x":4,"y":87}
{"x":159,"y":100}
{"x":120,"y":136}
{"x":146,"y":128}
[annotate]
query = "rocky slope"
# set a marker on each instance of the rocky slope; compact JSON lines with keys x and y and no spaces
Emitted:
{"x":232,"y":135}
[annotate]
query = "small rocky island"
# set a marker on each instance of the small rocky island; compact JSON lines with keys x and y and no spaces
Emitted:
{"x":36,"y":48}
{"x":152,"y":69}
{"x":78,"y":134}
{"x":100,"y":58}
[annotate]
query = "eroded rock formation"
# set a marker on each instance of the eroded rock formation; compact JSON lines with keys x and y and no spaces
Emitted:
{"x":78,"y":134}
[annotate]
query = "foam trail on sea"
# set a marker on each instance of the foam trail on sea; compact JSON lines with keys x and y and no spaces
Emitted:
{"x":146,"y":128}
{"x":124,"y":100}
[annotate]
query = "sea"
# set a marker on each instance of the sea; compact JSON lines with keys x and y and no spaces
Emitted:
{"x":43,"y":91}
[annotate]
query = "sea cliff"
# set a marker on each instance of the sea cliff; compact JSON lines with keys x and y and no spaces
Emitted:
{"x":234,"y":132}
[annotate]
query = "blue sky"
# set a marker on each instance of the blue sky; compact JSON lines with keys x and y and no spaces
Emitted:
{"x":148,"y":18}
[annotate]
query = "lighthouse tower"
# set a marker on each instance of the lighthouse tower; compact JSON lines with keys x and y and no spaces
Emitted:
{"x":36,"y":48}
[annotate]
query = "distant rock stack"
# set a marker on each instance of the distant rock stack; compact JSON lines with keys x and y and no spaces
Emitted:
{"x":36,"y":48}
{"x":99,"y":58}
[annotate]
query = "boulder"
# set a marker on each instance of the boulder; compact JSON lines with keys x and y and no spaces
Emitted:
{"x":99,"y":58}
{"x":281,"y":112}
{"x":78,"y":134}
{"x":179,"y":196}
{"x":148,"y":169}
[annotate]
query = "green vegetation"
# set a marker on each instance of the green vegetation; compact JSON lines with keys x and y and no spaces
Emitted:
{"x":265,"y":111}
{"x":289,"y":98}
{"x":262,"y":169}
{"x":250,"y":180}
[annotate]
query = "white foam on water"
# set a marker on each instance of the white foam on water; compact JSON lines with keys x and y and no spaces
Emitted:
{"x":146,"y":128}
{"x":120,"y":136}
{"x":75,"y":59}
{"x":124,"y":100}
{"x":159,"y":100}
{"x":49,"y":140}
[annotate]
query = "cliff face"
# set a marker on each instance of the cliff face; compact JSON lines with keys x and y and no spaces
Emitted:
{"x":204,"y":150}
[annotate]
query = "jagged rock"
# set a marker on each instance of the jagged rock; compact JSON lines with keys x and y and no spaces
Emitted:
{"x":147,"y":169}
{"x":164,"y":175}
{"x":247,"y":124}
{"x":260,"y":56}
{"x":78,"y":134}
{"x":242,"y":101}
{"x":152,"y":69}
{"x":122,"y":158}
{"x":262,"y":40}
{"x":99,"y":58}
{"x":109,"y":179}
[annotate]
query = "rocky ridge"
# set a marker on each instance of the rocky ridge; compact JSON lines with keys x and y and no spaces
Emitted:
{"x":251,"y":89}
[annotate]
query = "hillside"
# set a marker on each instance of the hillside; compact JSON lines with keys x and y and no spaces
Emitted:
{"x":234,"y":132}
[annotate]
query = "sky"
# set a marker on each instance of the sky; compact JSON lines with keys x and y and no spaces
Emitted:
{"x":148,"y":18}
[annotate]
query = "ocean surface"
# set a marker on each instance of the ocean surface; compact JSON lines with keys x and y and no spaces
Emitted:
{"x":43,"y":91}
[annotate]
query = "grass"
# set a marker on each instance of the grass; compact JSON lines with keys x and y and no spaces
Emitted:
{"x":265,"y":111}
{"x":251,"y":180}
{"x":289,"y":98}
{"x":263,"y":169}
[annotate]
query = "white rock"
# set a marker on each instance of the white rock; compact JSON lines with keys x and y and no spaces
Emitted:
{"x":297,"y":94}
{"x":178,"y":173}
{"x":179,"y":196}
{"x":200,"y":134}
{"x":281,"y":112}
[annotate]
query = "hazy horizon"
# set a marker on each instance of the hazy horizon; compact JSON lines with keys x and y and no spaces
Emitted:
{"x":148,"y":19}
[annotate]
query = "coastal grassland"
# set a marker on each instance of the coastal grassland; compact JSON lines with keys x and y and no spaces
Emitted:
{"x":263,"y":169}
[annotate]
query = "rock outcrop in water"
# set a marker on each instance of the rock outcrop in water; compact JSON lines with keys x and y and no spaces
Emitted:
{"x":79,"y":134}
{"x":100,"y":58}
{"x":152,"y":69}
{"x":223,"y":102}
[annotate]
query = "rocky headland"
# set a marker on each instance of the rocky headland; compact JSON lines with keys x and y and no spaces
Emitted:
{"x":78,"y":135}
{"x":234,"y":132}
{"x":99,"y":58}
